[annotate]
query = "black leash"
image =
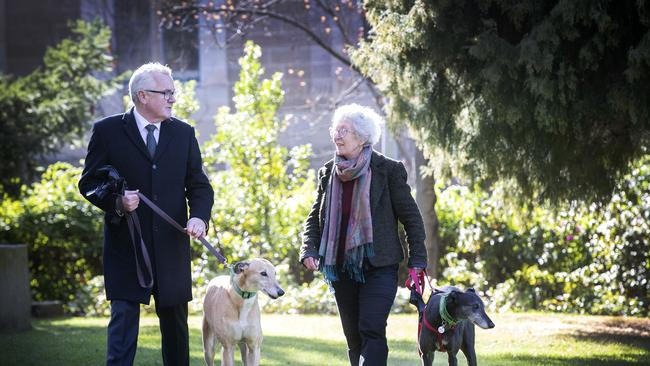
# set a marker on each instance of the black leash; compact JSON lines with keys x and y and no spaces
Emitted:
{"x":134,"y":226}
{"x":134,"y":222}
{"x":113,"y":183}
{"x":178,"y":227}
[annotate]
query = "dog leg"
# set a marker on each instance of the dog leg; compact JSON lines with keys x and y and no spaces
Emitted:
{"x":453,"y":361}
{"x":470,"y":355}
{"x":255,"y":354}
{"x":467,"y":345}
{"x":208,"y":344}
{"x":228,"y":355}
{"x":243,"y":348}
{"x":427,"y":358}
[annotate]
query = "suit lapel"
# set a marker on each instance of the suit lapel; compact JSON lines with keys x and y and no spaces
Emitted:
{"x":131,"y":130}
{"x":163,"y":139}
{"x":378,"y":180}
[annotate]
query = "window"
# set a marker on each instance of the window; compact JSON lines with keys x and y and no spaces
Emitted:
{"x":181,"y":49}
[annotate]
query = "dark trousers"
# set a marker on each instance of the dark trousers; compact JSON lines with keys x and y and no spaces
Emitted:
{"x":364,"y":309}
{"x":123,"y":334}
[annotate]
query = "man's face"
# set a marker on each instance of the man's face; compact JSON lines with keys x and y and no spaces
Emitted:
{"x":154,"y":106}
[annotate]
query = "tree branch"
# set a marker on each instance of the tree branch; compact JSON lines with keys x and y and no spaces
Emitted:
{"x":271,"y":14}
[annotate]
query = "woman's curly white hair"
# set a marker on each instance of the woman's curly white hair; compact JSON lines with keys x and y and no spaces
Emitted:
{"x":366,"y":122}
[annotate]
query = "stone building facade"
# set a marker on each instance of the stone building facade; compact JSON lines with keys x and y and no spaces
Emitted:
{"x":313,"y":80}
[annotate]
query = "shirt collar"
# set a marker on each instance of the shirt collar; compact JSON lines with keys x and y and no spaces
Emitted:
{"x":141,"y":121}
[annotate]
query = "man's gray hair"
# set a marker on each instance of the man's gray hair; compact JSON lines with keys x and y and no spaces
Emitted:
{"x":366,"y":122}
{"x":142,"y":78}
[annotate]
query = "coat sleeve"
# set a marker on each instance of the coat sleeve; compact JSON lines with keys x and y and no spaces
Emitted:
{"x":409,"y":215}
{"x":198,"y":190}
{"x":97,"y":157}
{"x":312,"y":231}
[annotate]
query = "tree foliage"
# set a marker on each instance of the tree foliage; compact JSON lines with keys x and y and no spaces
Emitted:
{"x":41,"y":112}
{"x":583,"y":258}
{"x":262,"y":190}
{"x":62,"y":231}
{"x":553,"y":95}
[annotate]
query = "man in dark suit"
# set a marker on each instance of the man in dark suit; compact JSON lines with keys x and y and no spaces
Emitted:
{"x":159,"y":156}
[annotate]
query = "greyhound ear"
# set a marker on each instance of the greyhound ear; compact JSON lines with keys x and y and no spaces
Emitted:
{"x":471,"y":290}
{"x":240,"y":266}
{"x":451,"y":298}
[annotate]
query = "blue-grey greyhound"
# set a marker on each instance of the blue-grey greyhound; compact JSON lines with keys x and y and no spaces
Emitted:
{"x":448,"y":325}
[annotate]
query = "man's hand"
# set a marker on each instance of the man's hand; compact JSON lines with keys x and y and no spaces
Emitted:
{"x":130,"y":200}
{"x":195,"y":227}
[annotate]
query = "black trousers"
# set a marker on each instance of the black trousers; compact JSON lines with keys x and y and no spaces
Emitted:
{"x":123,"y":334}
{"x":364,"y":309}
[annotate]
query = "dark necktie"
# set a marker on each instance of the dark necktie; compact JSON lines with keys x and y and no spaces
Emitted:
{"x":151,"y":140}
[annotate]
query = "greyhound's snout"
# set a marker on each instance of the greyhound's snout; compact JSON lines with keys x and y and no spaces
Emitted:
{"x":274,"y":292}
{"x":482,"y":320}
{"x":487,"y":325}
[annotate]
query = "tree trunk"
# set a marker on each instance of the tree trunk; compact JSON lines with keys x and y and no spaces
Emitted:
{"x":426,"y":200}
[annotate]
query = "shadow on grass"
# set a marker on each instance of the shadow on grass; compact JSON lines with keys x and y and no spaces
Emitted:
{"x":628,"y":332}
{"x":53,"y":343}
{"x":529,"y":360}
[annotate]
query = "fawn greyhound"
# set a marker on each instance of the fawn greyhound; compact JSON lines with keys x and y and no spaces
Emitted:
{"x":231,"y":312}
{"x":448,"y":319}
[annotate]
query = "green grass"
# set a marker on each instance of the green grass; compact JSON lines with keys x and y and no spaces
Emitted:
{"x":518,"y":339}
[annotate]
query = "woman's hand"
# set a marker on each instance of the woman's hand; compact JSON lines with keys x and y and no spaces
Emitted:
{"x":311,"y":263}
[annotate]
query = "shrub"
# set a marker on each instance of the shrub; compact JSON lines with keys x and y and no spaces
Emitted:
{"x":62,"y":231}
{"x":581,"y":258}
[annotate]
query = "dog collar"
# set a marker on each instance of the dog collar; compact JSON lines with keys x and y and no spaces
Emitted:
{"x":238,"y":290}
{"x":444,"y":314}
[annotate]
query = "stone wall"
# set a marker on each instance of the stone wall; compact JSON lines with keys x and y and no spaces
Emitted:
{"x":15,"y":296}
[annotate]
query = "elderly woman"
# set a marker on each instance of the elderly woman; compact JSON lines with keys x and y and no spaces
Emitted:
{"x":351,"y":232}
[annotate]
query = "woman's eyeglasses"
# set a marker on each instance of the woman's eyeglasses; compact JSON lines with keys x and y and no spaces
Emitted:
{"x":340,"y":133}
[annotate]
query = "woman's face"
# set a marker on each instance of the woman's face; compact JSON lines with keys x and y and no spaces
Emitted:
{"x":348,"y":144}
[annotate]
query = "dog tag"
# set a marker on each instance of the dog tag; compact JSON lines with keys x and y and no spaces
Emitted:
{"x":441,"y":329}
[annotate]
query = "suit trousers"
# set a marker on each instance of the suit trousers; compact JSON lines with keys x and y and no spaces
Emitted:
{"x":364,"y":309}
{"x":123,"y":333}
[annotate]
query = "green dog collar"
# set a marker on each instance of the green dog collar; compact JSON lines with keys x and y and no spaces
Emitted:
{"x":239,"y":291}
{"x":444,"y":314}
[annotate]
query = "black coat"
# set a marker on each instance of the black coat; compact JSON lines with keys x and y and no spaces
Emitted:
{"x":172,"y":179}
{"x":390,"y":201}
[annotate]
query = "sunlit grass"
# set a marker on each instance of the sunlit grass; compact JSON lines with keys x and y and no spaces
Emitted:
{"x":518,"y":339}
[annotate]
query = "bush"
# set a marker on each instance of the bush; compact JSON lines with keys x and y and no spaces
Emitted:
{"x":63,"y":233}
{"x":582,"y":258}
{"x":263,"y":190}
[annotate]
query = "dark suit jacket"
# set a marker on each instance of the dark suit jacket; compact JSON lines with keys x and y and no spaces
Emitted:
{"x":173,"y":178}
{"x":390,"y":201}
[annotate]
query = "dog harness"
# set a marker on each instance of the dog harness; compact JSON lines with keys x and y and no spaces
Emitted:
{"x":448,"y":323}
{"x":415,"y":282}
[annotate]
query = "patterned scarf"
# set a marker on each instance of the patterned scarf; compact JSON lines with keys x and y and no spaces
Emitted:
{"x":358,"y":239}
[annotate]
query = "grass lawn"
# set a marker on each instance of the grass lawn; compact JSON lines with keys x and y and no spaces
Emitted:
{"x":518,"y":339}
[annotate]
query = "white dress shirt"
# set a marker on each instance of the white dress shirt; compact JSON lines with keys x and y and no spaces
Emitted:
{"x":142,"y":126}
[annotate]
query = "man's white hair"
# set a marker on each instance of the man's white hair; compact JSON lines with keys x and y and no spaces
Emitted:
{"x":142,"y":78}
{"x":366,"y":122}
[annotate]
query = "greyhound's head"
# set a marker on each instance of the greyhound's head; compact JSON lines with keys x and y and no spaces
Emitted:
{"x":468,"y":305}
{"x":258,"y":275}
